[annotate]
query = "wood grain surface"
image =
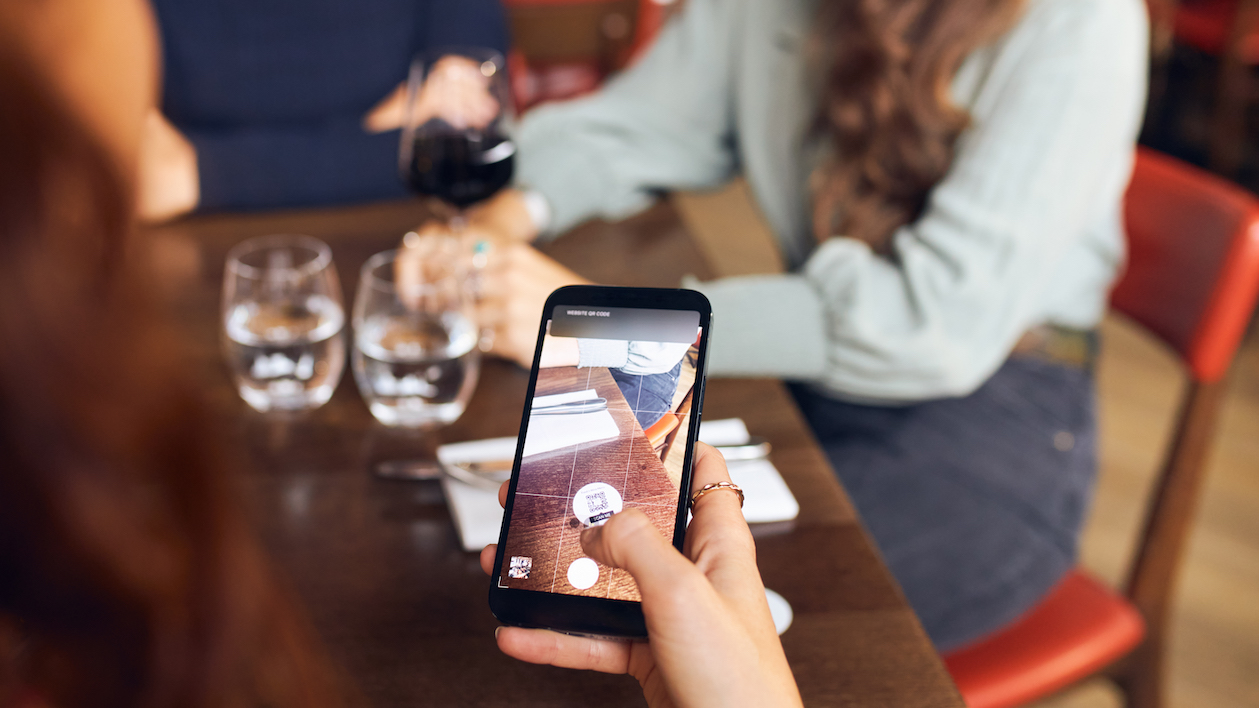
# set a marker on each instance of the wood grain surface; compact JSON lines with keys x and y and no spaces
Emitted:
{"x":378,"y":564}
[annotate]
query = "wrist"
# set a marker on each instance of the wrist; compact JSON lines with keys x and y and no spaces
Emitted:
{"x":511,"y":215}
{"x":538,"y":208}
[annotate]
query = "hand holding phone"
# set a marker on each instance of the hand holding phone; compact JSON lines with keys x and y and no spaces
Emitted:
{"x":610,"y":423}
{"x":711,"y":640}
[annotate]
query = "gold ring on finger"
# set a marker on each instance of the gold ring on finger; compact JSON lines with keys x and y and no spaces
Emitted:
{"x":714,"y":487}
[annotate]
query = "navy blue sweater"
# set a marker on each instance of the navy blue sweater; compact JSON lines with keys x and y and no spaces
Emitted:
{"x":272,"y":92}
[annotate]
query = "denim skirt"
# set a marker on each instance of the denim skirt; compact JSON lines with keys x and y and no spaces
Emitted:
{"x":976,"y":503}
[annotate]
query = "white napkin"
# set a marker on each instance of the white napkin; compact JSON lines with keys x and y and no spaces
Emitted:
{"x":475,"y":510}
{"x":548,"y":433}
{"x":766,"y":497}
{"x":556,"y":399}
{"x":478,"y":517}
{"x":727,"y":431}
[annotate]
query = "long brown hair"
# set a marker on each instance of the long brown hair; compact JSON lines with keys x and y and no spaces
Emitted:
{"x":128,"y":574}
{"x":886,"y":68}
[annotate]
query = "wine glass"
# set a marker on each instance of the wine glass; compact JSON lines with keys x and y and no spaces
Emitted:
{"x":456,"y":145}
{"x":415,"y":353}
{"x":282,"y":321}
{"x":455,"y":140}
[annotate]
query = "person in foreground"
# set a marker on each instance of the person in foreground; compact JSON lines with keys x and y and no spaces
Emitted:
{"x":944,"y":181}
{"x":129,"y":574}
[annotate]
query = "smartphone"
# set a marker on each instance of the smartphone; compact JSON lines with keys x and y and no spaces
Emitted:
{"x":610,"y":423}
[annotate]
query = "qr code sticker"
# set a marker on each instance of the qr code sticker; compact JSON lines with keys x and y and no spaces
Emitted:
{"x":520,"y":567}
{"x":597,"y":502}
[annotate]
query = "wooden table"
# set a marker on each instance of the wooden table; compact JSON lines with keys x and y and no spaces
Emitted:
{"x":378,"y":563}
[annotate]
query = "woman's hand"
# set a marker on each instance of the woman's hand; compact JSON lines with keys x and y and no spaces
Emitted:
{"x":711,"y":640}
{"x":389,"y":113}
{"x":454,"y":90}
{"x":169,"y":183}
{"x":515,"y":283}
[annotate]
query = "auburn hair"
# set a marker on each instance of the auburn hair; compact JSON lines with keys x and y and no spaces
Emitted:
{"x":128,"y":573}
{"x":885,"y":68}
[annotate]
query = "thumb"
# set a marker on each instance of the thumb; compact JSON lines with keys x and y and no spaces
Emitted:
{"x":389,"y":113}
{"x":630,"y":541}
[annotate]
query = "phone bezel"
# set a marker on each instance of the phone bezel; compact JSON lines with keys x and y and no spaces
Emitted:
{"x":579,"y":614}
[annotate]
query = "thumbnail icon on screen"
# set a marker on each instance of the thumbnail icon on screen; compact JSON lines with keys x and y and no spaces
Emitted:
{"x":520,"y":567}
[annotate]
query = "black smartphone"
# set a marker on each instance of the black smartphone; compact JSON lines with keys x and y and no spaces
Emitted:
{"x":610,"y":423}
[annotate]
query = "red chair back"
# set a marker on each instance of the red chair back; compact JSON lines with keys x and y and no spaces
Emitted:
{"x":1196,"y":294}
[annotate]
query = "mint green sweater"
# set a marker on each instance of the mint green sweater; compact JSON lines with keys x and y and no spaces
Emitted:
{"x":1024,"y":229}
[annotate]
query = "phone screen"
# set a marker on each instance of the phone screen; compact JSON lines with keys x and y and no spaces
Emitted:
{"x":607,"y":430}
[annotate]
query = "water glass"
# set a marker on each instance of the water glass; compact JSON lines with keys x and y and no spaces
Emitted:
{"x":282,"y":322}
{"x":415,"y":353}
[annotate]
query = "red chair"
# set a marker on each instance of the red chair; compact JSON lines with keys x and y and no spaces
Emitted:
{"x":1192,"y":280}
{"x":660,"y":430}
{"x":1207,"y":25}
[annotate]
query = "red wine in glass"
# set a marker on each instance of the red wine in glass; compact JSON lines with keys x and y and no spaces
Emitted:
{"x":460,"y":168}
{"x":454,"y":142}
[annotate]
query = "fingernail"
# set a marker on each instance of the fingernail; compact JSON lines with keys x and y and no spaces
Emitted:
{"x":496,"y":631}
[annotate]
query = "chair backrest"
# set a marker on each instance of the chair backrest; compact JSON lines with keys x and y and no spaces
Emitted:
{"x":1192,"y":279}
{"x":1193,"y":265}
